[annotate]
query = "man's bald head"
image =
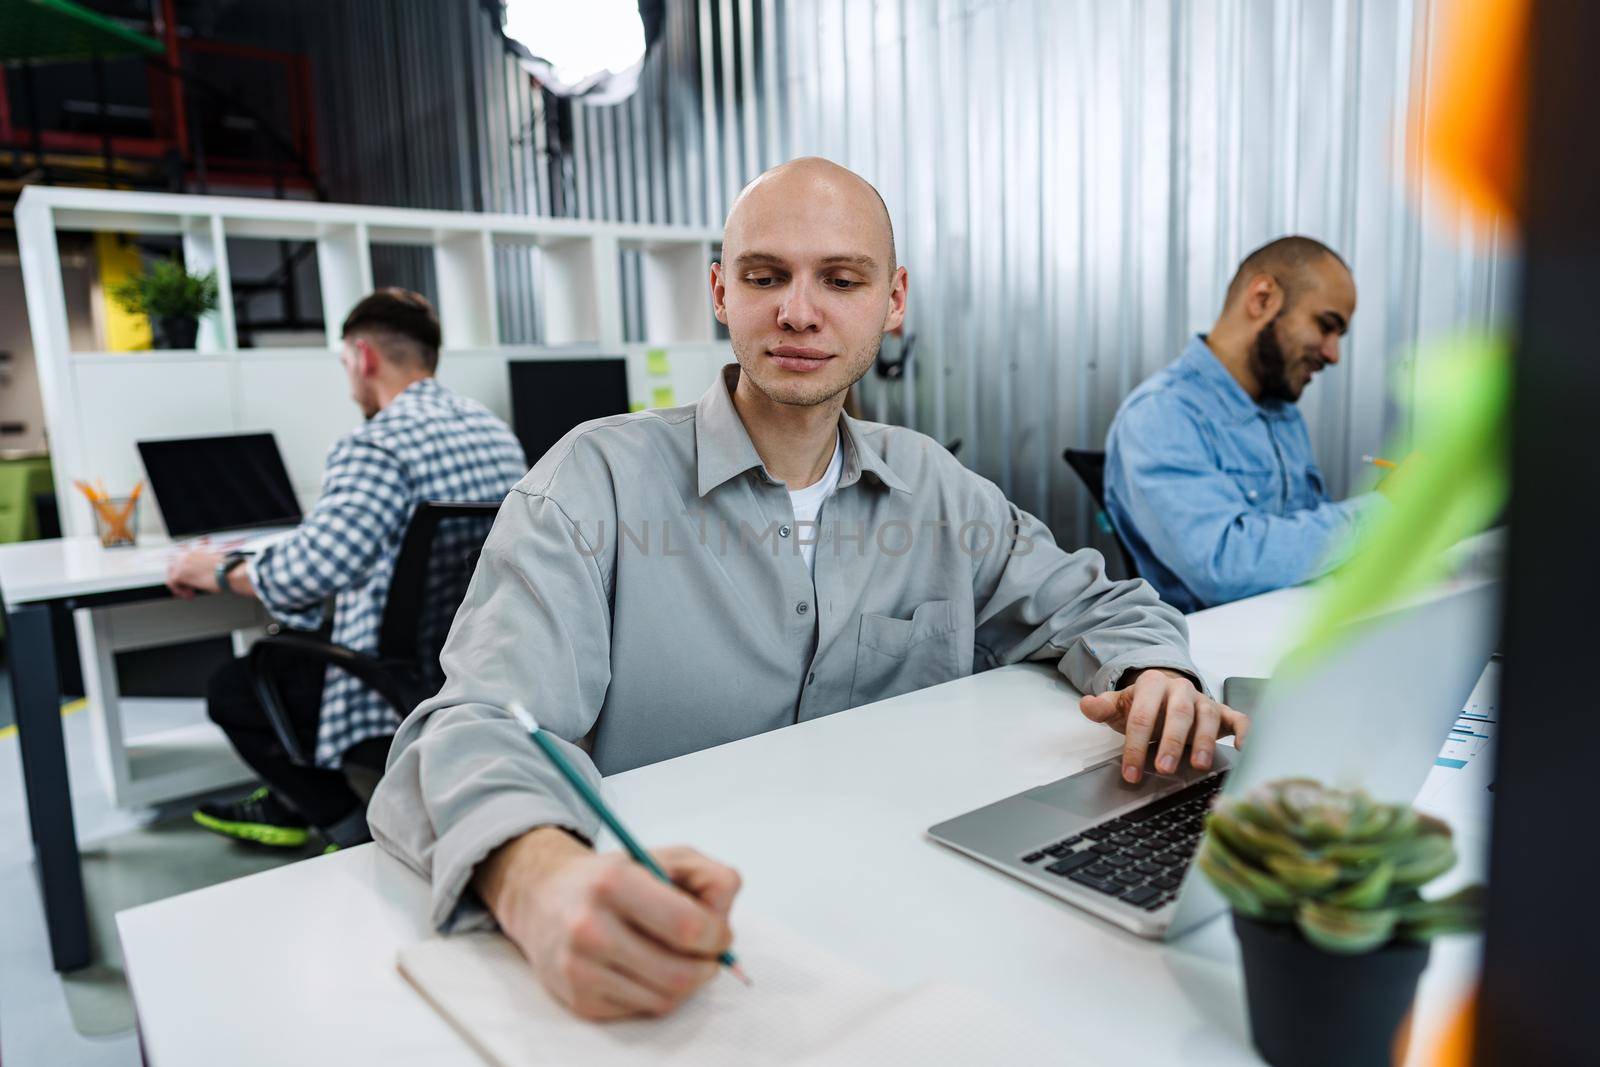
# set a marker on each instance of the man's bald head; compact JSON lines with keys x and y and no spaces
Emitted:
{"x":807,"y":283}
{"x":810,"y":178}
{"x":1289,"y":260}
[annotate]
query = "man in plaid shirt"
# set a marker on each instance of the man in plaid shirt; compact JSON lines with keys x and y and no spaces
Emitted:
{"x":420,"y":442}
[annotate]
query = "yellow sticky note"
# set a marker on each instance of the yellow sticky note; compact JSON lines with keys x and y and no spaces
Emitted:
{"x":635,"y":406}
{"x":661,"y":397}
{"x":656,"y":363}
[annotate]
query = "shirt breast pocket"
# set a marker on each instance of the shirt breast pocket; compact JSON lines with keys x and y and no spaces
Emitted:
{"x":1261,"y":488}
{"x":898,"y":656}
{"x":1316,"y":490}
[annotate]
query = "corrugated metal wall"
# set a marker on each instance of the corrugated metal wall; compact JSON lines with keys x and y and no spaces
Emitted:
{"x":1075,"y":181}
{"x":1072,"y":182}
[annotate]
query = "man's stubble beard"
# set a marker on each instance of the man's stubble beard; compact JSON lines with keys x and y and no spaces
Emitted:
{"x":819,"y":394}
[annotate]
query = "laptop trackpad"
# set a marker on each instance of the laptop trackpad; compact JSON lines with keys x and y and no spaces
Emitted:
{"x":1097,"y":791}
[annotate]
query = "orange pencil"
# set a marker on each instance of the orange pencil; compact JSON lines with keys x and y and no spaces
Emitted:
{"x":1380,"y":463}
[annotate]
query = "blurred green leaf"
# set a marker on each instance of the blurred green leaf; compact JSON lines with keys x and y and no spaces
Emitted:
{"x":1369,"y":892}
{"x":1348,"y":931}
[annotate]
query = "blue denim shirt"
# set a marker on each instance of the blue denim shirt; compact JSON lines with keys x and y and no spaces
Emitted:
{"x":1218,"y":496}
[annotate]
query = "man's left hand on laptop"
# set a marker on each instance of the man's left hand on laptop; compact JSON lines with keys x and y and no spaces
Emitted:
{"x":1164,"y":705}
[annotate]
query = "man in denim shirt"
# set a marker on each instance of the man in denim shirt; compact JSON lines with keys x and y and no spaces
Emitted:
{"x":1209,"y":474}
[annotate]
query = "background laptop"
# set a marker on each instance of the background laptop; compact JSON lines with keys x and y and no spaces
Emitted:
{"x":208,"y":485}
{"x":1373,"y":714}
{"x":551,"y":396}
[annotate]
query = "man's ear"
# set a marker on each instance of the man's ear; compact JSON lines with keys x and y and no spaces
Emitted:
{"x":1263,"y":298}
{"x":719,"y":294}
{"x":899,"y":287}
{"x":366,"y":358}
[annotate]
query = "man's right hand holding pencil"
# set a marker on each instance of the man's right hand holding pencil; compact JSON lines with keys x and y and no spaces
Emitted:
{"x":1395,"y":475}
{"x":606,"y":937}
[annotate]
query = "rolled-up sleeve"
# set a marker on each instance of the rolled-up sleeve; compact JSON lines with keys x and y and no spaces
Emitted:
{"x":463,"y":777}
{"x":1198,"y":522}
{"x":1034,"y":601}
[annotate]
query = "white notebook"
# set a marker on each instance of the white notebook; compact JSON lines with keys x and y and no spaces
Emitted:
{"x":805,"y":1007}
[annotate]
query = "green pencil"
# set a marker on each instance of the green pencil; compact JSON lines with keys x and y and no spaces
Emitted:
{"x":592,"y":798}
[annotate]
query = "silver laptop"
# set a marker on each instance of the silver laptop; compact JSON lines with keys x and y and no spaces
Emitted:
{"x":1373,"y":714}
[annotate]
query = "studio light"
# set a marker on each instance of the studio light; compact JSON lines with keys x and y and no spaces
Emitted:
{"x":592,"y":49}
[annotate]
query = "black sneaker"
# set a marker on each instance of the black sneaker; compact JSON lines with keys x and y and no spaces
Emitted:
{"x":259,"y":817}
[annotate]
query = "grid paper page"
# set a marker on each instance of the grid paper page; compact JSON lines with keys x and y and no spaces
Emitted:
{"x":805,"y":1008}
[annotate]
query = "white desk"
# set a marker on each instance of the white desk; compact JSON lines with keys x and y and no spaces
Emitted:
{"x":119,"y":602}
{"x":825,"y":821}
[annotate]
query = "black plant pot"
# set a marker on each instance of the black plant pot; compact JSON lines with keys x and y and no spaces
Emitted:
{"x":175,"y":331}
{"x":1310,"y":1008}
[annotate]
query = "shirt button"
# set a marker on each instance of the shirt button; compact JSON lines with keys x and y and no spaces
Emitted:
{"x":801,"y":608}
{"x":1251,"y":494}
{"x":783,"y":531}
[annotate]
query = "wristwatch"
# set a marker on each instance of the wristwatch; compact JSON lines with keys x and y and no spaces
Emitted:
{"x":230,"y":561}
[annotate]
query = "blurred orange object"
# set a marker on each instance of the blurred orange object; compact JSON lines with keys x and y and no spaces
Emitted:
{"x":1455,"y":1043}
{"x":1474,"y":127}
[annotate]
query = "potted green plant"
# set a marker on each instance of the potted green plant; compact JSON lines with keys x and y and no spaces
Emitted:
{"x":1325,"y":886}
{"x":173,"y":298}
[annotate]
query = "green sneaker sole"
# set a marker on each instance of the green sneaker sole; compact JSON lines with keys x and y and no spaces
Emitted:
{"x":260,"y":833}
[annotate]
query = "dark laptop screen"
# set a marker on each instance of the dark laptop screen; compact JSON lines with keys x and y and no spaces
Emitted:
{"x":551,"y":396}
{"x":206,"y":484}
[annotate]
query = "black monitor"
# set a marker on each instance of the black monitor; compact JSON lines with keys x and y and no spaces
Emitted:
{"x":206,"y":484}
{"x":551,"y":396}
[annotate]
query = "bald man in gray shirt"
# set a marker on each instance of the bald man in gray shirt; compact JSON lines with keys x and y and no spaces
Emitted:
{"x":647,"y":591}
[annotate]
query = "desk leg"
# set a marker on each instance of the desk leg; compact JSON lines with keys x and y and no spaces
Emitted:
{"x":35,"y":692}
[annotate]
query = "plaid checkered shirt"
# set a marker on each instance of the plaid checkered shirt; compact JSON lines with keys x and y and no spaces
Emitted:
{"x":427,"y":444}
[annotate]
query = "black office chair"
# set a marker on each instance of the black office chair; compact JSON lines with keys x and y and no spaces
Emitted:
{"x":1090,"y":467}
{"x":435,"y":563}
{"x":44,"y":506}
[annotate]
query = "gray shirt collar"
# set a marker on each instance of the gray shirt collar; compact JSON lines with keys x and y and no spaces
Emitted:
{"x":724,"y":449}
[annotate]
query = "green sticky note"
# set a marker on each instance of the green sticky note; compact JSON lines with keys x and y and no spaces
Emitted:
{"x":661,"y":397}
{"x":635,"y":406}
{"x":657,"y":364}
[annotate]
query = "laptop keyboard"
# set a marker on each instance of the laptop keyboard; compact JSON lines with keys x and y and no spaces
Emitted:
{"x":1141,"y":856}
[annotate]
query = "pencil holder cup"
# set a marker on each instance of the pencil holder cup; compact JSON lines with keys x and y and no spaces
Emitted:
{"x":115,"y":520}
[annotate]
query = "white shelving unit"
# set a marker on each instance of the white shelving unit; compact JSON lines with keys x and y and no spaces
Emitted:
{"x":99,"y":404}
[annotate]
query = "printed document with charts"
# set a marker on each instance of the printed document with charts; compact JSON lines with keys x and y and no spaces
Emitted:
{"x":805,"y":1008}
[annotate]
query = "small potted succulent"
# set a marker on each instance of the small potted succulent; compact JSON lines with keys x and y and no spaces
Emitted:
{"x":173,"y":298}
{"x":1325,"y":888}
